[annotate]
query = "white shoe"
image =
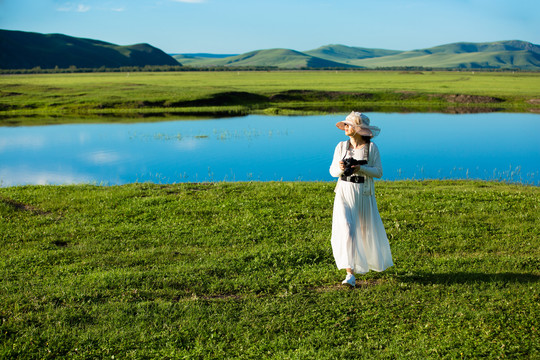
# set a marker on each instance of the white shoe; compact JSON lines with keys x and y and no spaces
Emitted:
{"x":349,"y":280}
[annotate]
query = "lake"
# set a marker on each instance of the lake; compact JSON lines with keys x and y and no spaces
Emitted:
{"x":492,"y":146}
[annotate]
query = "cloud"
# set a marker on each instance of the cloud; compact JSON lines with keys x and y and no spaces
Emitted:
{"x":69,"y":7}
{"x":82,"y":8}
{"x":189,"y":1}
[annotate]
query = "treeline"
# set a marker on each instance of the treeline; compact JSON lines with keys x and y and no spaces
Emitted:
{"x":147,"y":68}
{"x":179,"y":68}
{"x":74,"y":69}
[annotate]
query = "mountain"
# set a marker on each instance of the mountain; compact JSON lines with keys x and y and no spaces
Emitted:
{"x":202,"y":55}
{"x":186,"y":59}
{"x":26,"y":50}
{"x":344,"y":54}
{"x":498,"y":46}
{"x":513,"y":54}
{"x":281,"y":58}
{"x":495,"y":55}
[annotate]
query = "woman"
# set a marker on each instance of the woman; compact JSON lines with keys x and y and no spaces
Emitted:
{"x":359,"y":241}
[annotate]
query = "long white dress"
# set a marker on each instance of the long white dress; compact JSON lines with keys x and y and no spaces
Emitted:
{"x":359,"y":240}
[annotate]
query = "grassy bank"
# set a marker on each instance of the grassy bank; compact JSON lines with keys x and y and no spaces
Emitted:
{"x":245,"y":270}
{"x":234,"y":93}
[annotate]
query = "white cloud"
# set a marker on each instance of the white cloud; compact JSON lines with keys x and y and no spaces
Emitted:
{"x":83,"y":8}
{"x":69,"y":7}
{"x":190,"y":1}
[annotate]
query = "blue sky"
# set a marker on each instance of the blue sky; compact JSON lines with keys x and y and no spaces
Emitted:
{"x":238,"y":26}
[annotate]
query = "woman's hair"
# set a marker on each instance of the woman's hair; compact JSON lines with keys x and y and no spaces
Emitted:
{"x":367,"y":139}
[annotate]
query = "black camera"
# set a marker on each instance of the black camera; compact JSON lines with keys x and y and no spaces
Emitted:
{"x":349,"y":163}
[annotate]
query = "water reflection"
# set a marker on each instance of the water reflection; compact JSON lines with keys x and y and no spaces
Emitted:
{"x":494,"y":146}
{"x":18,"y":175}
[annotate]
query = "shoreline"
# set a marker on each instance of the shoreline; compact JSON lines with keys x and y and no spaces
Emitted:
{"x":29,"y":118}
{"x":380,"y":182}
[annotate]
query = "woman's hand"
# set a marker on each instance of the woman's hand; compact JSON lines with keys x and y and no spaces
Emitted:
{"x":356,"y":168}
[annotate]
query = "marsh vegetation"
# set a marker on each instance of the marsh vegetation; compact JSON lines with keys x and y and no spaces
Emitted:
{"x":57,"y":97}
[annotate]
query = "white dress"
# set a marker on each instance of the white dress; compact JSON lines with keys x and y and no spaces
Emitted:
{"x":359,"y":240}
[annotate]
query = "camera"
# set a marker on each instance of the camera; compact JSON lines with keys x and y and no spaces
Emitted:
{"x":349,"y":163}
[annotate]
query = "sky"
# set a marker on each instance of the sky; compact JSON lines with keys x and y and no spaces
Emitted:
{"x":239,"y":26}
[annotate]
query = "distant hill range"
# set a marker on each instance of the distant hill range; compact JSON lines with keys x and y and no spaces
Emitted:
{"x":280,"y":58}
{"x":26,"y":50}
{"x":518,"y":55}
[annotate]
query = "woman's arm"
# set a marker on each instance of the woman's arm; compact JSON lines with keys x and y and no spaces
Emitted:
{"x":335,"y":169}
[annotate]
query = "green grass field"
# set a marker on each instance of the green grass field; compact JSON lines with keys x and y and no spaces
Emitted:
{"x":220,"y":93}
{"x":245,"y":270}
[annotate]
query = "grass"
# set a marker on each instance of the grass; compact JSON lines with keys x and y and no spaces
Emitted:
{"x":245,"y":270}
{"x":58,"y":96}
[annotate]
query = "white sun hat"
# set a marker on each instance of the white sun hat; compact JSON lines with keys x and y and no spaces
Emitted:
{"x":360,"y":124}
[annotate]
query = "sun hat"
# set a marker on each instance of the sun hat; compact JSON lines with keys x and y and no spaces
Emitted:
{"x":360,"y":124}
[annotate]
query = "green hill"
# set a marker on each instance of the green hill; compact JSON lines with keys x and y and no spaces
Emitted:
{"x":281,"y":58}
{"x":26,"y":50}
{"x":496,"y":55}
{"x":344,"y":54}
{"x":194,"y":58}
{"x":498,"y":46}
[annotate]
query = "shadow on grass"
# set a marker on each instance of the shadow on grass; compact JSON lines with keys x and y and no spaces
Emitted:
{"x":464,"y":278}
{"x":18,"y":206}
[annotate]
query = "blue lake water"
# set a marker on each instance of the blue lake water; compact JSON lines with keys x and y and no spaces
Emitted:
{"x":494,"y":146}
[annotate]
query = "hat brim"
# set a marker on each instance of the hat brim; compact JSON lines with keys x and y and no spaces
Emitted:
{"x":370,"y":131}
{"x":341,"y":124}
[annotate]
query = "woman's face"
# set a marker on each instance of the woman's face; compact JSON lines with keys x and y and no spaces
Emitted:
{"x":349,"y":130}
